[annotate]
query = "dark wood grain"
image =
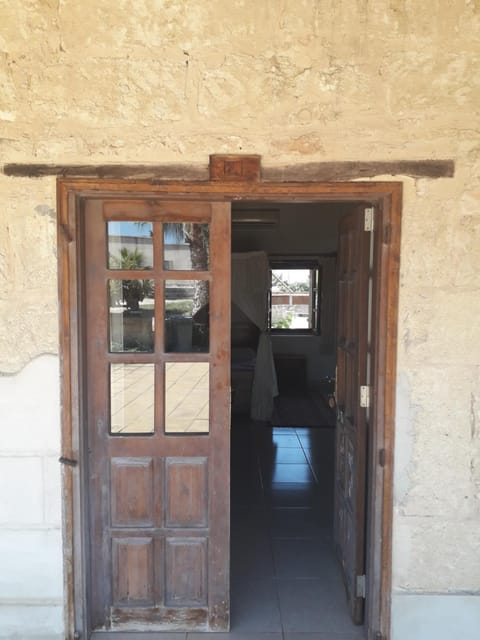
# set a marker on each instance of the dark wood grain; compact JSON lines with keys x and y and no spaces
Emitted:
{"x":133,"y":571}
{"x":241,"y":168}
{"x":186,"y":572}
{"x":219,"y":457}
{"x":108,"y":171}
{"x":132,"y":492}
{"x":236,"y":170}
{"x":187,"y":492}
{"x":349,"y":170}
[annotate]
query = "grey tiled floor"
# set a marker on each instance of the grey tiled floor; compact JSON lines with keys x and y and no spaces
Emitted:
{"x":285,"y":581}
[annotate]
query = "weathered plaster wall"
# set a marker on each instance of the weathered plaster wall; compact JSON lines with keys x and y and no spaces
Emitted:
{"x":296,"y":81}
{"x":28,"y":271}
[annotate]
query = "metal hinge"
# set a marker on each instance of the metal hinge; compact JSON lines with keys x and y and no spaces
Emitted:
{"x":369,"y":219}
{"x":361,"y":587}
{"x":364,"y":396}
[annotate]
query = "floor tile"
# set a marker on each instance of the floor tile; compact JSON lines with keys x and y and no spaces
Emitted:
{"x":305,"y":559}
{"x":291,"y":473}
{"x":292,"y":495}
{"x":299,"y":523}
{"x":252,"y":558}
{"x":285,"y":455}
{"x":254,"y":605}
{"x":251,"y":549}
{"x":285,"y":440}
{"x":239,"y":635}
{"x":319,"y":434}
{"x":298,"y":635}
{"x":143,"y":635}
{"x":312,"y":605}
{"x":250,"y":519}
{"x":284,"y":430}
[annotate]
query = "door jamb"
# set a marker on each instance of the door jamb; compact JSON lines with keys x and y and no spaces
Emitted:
{"x":387,"y":198}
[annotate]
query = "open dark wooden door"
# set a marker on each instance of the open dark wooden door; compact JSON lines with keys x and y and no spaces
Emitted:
{"x":157,"y":328}
{"x":355,"y":245}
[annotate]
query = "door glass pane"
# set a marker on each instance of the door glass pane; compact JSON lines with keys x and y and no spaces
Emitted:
{"x":130,"y":245}
{"x":185,"y":246}
{"x":132,"y":398}
{"x":187,"y":322}
{"x":131,"y":309}
{"x":187,"y":397}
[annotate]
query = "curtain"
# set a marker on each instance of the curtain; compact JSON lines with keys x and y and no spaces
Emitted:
{"x":250,"y":287}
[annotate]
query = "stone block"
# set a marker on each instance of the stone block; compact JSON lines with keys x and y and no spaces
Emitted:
{"x":435,"y":617}
{"x":21,"y":490}
{"x":34,"y":622}
{"x":436,"y":326}
{"x":435,"y":554}
{"x":31,"y":562}
{"x":437,"y":450}
{"x":30,"y":408}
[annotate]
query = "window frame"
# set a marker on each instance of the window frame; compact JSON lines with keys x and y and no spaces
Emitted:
{"x":310,"y":264}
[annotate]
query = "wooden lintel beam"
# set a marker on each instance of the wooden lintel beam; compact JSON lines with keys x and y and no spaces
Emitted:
{"x":109,"y":171}
{"x":351,"y":170}
{"x":309,"y":172}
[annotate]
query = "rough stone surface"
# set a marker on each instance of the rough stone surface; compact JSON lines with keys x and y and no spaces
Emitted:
{"x":160,"y":81}
{"x":28,"y":271}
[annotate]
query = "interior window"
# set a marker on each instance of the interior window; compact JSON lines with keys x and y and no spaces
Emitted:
{"x":294,"y":296}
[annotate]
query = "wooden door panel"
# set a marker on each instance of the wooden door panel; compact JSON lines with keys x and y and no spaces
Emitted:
{"x":132,"y":492}
{"x":351,"y":428}
{"x":158,"y":420}
{"x":186,"y":572}
{"x":133,"y":565}
{"x":187,"y":492}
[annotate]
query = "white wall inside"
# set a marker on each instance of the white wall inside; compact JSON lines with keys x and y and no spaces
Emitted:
{"x":310,"y":230}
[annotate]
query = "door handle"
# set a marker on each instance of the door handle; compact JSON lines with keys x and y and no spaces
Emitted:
{"x":68,"y":461}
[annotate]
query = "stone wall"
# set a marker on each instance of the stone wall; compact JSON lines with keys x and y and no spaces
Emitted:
{"x":165,"y":81}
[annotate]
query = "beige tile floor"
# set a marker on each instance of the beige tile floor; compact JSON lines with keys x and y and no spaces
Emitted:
{"x":186,"y":398}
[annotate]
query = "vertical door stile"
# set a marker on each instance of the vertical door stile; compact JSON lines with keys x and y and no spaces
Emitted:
{"x":220,"y":463}
{"x":97,"y":392}
{"x":351,"y":427}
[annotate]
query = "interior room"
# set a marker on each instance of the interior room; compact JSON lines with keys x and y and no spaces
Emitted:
{"x":284,"y":573}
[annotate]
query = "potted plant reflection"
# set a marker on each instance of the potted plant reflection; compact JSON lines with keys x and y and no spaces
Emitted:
{"x":131,"y":300}
{"x":187,"y":300}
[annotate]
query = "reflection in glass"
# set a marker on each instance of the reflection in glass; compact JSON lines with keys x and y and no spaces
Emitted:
{"x":187,"y":316}
{"x":131,"y":307}
{"x":132,"y":398}
{"x":130,"y":245}
{"x":187,"y":397}
{"x":185,"y":246}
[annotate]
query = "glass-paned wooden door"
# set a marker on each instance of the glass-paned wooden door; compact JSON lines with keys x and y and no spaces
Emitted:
{"x":157,"y":346}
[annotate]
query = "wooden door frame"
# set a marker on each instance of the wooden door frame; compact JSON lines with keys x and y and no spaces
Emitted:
{"x":387,"y":199}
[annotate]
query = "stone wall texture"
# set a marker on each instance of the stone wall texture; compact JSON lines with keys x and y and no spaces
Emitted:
{"x":171,"y":81}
